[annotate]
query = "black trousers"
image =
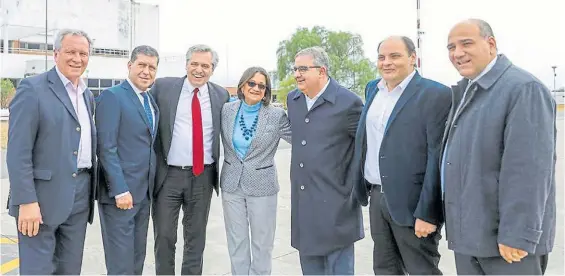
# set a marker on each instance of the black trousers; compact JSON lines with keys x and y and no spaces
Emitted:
{"x":530,"y":265}
{"x":193,"y":193}
{"x":396,"y":249}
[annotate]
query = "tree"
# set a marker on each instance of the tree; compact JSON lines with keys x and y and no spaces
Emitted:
{"x":7,"y":93}
{"x":348,"y":65}
{"x":285,"y":86}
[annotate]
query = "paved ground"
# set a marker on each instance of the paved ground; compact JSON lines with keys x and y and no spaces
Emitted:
{"x":285,"y":258}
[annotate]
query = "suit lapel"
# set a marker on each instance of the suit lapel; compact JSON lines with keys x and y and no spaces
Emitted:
{"x":56,"y":85}
{"x":135,"y":100}
{"x":406,"y":95}
{"x":174,"y":102}
{"x":157,"y":114}
{"x":327,"y":96}
{"x":216,"y":108}
{"x":261,"y":124}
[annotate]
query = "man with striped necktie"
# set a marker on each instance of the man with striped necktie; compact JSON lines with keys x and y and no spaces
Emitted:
{"x":127,"y":117}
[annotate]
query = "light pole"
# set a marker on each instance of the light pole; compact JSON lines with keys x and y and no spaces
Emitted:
{"x":554,"y":76}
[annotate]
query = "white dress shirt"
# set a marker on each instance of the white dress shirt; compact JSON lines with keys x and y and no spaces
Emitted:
{"x":140,"y":97}
{"x":377,"y":119}
{"x":310,"y":102}
{"x":180,"y":153}
{"x":76,"y":95}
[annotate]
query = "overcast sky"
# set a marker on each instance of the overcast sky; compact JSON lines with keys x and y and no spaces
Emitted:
{"x":247,"y":32}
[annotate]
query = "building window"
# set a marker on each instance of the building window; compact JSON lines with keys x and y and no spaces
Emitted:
{"x":106,"y":83}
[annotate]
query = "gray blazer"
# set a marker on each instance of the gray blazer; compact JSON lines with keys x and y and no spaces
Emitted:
{"x":256,"y":173}
{"x":43,"y":134}
{"x":166,"y":92}
{"x":499,"y":170}
{"x":324,"y":219}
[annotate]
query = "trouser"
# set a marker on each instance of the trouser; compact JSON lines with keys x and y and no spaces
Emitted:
{"x":250,"y":256}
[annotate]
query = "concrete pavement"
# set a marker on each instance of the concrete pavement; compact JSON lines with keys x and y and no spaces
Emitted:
{"x":285,"y":258}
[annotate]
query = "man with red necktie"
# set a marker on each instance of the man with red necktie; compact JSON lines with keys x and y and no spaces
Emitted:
{"x":188,"y":150}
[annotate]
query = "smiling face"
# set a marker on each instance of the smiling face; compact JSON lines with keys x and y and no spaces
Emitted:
{"x":199,"y":68}
{"x":142,"y":71}
{"x":395,"y":63}
{"x":469,"y":51}
{"x":254,"y":89}
{"x":309,"y":77}
{"x":72,"y":57}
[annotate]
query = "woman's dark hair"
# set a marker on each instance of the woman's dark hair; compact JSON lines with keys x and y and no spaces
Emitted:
{"x":247,"y":75}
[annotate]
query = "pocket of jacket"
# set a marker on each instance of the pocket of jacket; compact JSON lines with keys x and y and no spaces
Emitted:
{"x":266,"y":167}
{"x":42,"y":174}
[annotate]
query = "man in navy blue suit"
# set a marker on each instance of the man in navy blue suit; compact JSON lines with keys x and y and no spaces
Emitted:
{"x":127,"y":118}
{"x":397,"y":159}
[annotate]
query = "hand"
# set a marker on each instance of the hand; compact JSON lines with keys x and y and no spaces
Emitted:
{"x":29,"y":219}
{"x":511,"y":254}
{"x":125,"y":202}
{"x":422,"y":229}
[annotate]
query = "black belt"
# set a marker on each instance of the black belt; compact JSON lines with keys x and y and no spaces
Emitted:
{"x":378,"y":187}
{"x":82,"y":170}
{"x":186,"y":168}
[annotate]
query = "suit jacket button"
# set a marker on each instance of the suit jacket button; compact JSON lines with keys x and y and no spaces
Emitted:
{"x":75,"y":152}
{"x":307,"y":120}
{"x":301,"y":165}
{"x":304,"y":142}
{"x":78,"y":128}
{"x":382,"y":157}
{"x":74,"y":174}
{"x":302,"y":187}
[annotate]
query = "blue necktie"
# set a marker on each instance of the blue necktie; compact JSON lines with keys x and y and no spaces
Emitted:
{"x":147,"y":108}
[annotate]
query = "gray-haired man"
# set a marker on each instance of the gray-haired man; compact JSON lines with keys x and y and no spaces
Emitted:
{"x":128,"y":163}
{"x":324,"y":117}
{"x":188,"y":150}
{"x":51,"y":161}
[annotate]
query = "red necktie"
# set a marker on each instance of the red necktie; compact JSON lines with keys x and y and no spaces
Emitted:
{"x":197,"y":136}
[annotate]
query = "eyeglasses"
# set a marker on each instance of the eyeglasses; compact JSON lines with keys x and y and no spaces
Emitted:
{"x":303,"y":69}
{"x":252,"y":84}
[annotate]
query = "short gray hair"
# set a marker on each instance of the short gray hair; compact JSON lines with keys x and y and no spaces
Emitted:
{"x":144,"y":50}
{"x":201,"y":48}
{"x":319,"y":55}
{"x":484,"y":27}
{"x":64,"y":32}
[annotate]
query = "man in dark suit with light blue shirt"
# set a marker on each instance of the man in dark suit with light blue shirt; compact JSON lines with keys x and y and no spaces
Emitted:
{"x":397,"y":161}
{"x":127,"y":118}
{"x":51,"y":161}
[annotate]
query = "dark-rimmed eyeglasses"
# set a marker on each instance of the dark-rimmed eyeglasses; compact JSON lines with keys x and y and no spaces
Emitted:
{"x":252,"y":84}
{"x":303,"y":69}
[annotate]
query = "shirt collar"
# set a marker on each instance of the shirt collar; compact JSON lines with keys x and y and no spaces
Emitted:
{"x":81,"y":84}
{"x":402,"y":85}
{"x":190,"y":87}
{"x":320,"y":93}
{"x":486,"y":70}
{"x":137,"y":90}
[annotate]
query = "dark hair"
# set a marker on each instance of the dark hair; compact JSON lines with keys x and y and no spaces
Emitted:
{"x":410,"y":47}
{"x":144,"y":50}
{"x":247,"y":75}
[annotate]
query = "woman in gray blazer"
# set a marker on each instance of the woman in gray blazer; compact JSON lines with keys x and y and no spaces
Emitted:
{"x":251,"y":131}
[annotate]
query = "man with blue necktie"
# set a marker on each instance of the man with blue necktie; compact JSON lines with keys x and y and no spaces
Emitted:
{"x":127,"y":118}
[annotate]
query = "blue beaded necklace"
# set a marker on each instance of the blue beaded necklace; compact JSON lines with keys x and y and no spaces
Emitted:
{"x":248,"y":132}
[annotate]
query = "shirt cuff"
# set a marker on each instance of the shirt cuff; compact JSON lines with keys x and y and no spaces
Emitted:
{"x":121,"y":195}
